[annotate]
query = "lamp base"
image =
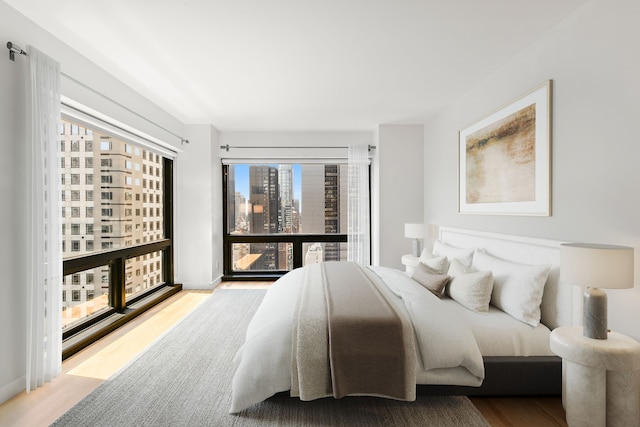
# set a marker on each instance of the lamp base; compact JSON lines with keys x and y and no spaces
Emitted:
{"x":416,"y":248}
{"x":594,"y":314}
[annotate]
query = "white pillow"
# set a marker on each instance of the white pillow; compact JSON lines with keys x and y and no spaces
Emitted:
{"x":465,"y":256}
{"x":439,"y":265}
{"x":517,"y":288}
{"x":469,"y":287}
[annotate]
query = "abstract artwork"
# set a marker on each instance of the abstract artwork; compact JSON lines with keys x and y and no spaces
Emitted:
{"x":504,"y":162}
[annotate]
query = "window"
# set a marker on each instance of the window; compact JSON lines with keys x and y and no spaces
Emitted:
{"x":100,"y":239}
{"x":282,"y":216}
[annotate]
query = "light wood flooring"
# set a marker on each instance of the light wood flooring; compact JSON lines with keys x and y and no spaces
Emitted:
{"x":86,"y":370}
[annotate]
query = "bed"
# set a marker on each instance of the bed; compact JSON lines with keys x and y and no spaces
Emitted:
{"x":484,"y":332}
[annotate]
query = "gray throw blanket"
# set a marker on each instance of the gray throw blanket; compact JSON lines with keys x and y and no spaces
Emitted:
{"x":350,"y":337}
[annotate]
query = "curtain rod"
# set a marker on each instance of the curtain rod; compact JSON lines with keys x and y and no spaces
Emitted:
{"x":14,"y":49}
{"x":253,"y":147}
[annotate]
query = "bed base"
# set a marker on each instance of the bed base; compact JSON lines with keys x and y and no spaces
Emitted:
{"x":509,"y":376}
{"x":506,"y":376}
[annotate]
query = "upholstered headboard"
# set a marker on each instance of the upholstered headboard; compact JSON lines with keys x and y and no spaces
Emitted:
{"x":558,"y":299}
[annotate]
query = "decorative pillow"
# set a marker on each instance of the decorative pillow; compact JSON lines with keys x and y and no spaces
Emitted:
{"x":469,"y":287}
{"x":439,"y":265}
{"x":433,"y":282}
{"x":517,"y":288}
{"x":465,"y":256}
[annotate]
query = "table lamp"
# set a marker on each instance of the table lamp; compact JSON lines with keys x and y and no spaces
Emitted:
{"x":596,"y":266}
{"x":415,"y":232}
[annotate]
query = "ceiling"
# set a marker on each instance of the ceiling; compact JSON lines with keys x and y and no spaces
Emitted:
{"x":298,"y":64}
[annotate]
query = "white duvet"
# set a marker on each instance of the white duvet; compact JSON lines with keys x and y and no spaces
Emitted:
{"x":447,"y":352}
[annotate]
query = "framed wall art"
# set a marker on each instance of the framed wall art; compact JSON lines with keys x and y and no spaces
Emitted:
{"x":504,"y":159}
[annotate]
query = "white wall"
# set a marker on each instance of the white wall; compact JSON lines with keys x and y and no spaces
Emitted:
{"x":197,"y":209}
{"x":594,"y":62}
{"x":198,"y":201}
{"x":13,"y":226}
{"x":401,"y":188}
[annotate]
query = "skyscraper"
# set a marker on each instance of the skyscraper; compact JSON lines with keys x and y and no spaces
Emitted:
{"x":324,"y":190}
{"x":111,"y":198}
{"x":264,"y":207}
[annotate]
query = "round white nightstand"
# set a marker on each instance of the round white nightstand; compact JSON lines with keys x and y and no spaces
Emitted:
{"x":409,"y":261}
{"x":600,"y":378}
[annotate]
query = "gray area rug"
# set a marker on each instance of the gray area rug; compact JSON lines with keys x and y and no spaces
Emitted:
{"x":184,"y":379}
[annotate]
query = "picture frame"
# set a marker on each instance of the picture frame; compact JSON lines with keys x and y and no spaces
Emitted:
{"x":504,"y":164}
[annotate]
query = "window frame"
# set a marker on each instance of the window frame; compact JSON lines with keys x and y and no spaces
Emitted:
{"x":296,"y":239}
{"x":120,"y":309}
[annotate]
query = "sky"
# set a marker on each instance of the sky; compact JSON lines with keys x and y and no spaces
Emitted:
{"x":242,"y":180}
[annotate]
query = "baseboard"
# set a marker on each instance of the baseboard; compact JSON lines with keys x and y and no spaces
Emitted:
{"x":200,"y":286}
{"x":14,"y":388}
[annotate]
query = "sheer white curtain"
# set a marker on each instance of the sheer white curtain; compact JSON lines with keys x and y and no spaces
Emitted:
{"x":44,"y":331}
{"x":358,"y":240}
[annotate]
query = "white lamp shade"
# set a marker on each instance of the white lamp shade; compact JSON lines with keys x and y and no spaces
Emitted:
{"x":414,"y":231}
{"x":596,"y":266}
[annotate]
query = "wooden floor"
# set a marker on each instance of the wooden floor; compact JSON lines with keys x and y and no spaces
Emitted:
{"x":86,"y":370}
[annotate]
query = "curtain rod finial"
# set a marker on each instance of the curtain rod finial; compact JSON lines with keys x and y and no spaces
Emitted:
{"x":13,"y":49}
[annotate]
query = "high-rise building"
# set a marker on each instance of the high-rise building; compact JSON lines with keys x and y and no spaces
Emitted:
{"x":232,"y":208}
{"x":285,"y":182}
{"x":264,"y":207}
{"x":111,"y":198}
{"x":324,"y":190}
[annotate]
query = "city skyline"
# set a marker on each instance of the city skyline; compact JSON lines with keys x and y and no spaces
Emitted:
{"x":242,"y":179}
